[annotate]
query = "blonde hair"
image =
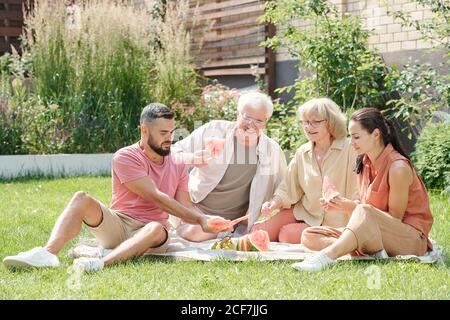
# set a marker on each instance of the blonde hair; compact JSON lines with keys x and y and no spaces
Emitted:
{"x":326,"y":109}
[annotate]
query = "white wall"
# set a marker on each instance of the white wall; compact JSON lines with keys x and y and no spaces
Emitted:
{"x":55,"y":165}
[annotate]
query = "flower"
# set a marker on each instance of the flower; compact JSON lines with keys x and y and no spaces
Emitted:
{"x":16,"y":83}
{"x":53,"y":107}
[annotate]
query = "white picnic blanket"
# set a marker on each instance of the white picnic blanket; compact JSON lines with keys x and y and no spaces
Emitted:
{"x":180,"y":249}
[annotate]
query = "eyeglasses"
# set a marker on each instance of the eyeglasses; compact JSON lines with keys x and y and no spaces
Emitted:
{"x":314,"y":123}
{"x":256,"y":122}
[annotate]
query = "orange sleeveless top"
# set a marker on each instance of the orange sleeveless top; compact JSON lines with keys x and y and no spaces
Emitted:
{"x":376,"y":192}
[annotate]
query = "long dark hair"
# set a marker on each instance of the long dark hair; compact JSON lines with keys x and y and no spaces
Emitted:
{"x":371,"y":119}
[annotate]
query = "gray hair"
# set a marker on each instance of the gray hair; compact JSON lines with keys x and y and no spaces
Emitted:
{"x":154,"y":111}
{"x":255,"y":99}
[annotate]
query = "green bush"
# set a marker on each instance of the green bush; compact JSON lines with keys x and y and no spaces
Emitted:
{"x":332,"y":50}
{"x":422,"y":88}
{"x":284,"y":127}
{"x":432,"y":155}
{"x":10,"y":139}
{"x":11,"y":134}
{"x":215,"y":101}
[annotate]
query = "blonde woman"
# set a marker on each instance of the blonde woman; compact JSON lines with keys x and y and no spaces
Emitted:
{"x":328,"y":153}
{"x":393,"y":216}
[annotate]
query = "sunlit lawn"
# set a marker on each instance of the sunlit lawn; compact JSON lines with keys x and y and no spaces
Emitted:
{"x":28,"y":209}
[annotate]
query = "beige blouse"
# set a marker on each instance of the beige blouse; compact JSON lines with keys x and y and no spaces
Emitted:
{"x":302,"y":185}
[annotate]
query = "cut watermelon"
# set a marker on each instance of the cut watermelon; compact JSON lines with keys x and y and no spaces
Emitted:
{"x":214,"y":145}
{"x":256,"y":241}
{"x":218,"y":224}
{"x":329,"y":190}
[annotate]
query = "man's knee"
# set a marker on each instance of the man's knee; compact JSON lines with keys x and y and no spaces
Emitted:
{"x":154,"y":229}
{"x":81,"y":199}
{"x":85,"y":207}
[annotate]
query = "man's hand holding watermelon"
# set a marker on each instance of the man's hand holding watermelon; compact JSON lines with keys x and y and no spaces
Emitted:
{"x":218,"y":224}
{"x":197,"y":159}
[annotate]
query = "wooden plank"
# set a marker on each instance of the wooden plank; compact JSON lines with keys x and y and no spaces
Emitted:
{"x":4,"y":46}
{"x":231,"y":45}
{"x":10,"y":31}
{"x":228,"y":13}
{"x":243,"y":53}
{"x":250,"y":21}
{"x":271,"y":63}
{"x":233,"y":72}
{"x":224,"y":5}
{"x":14,"y":7}
{"x":236,"y":24}
{"x":233,"y":42}
{"x":233,"y":62}
{"x":14,"y":23}
{"x":11,"y":15}
{"x":12,"y":1}
{"x":234,"y":34}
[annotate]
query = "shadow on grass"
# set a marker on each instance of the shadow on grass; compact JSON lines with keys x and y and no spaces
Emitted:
{"x":21,"y":270}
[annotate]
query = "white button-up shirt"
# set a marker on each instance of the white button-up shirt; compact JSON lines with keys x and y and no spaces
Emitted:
{"x":271,"y":165}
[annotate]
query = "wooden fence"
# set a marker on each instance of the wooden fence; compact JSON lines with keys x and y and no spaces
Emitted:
{"x":231,"y":45}
{"x":11,"y":22}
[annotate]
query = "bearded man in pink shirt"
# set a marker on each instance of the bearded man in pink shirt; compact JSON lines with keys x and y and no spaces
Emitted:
{"x":147,"y":185}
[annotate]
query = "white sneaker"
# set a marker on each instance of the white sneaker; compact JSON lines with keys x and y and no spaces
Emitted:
{"x":315,"y":263}
{"x":88,"y":264}
{"x":37,"y":257}
{"x":88,"y":251}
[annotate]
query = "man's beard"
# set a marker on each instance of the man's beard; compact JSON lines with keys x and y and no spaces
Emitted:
{"x":158,"y":149}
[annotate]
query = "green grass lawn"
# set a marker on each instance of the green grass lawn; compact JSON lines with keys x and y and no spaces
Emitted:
{"x":29,"y":208}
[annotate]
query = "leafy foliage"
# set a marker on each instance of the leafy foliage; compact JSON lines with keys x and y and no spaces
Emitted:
{"x":423,"y":88}
{"x":432,"y":155}
{"x":332,"y":52}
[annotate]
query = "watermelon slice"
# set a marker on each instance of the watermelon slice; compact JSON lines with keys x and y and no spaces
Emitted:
{"x":255,"y":241}
{"x":329,"y":190}
{"x":263,"y":218}
{"x":214,"y":145}
{"x":218,"y":224}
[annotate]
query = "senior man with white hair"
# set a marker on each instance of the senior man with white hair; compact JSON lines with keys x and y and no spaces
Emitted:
{"x":236,"y":167}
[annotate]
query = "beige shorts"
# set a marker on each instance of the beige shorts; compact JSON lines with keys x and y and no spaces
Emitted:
{"x":375,"y":230}
{"x":117,"y":227}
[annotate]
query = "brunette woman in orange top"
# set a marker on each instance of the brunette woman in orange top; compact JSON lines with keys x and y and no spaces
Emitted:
{"x":393,"y":214}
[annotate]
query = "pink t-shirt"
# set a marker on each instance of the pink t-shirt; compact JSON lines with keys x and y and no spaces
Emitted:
{"x":131,"y":163}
